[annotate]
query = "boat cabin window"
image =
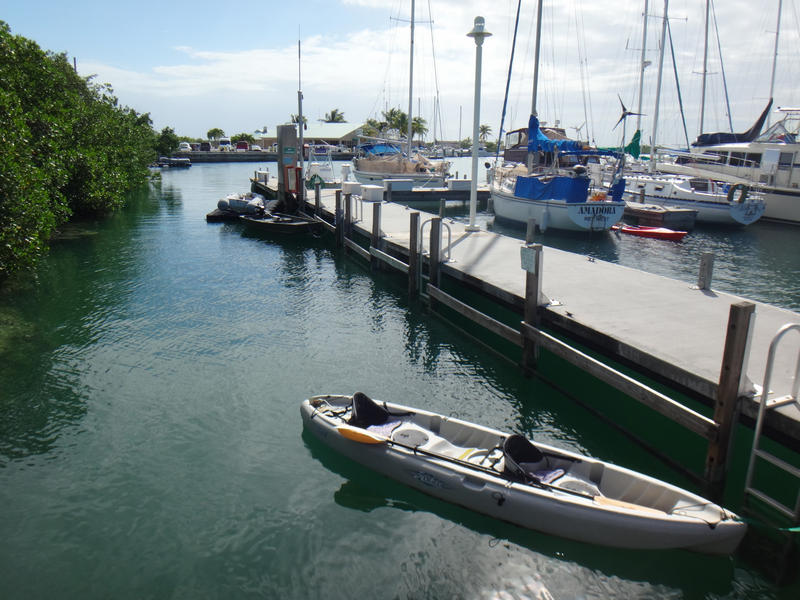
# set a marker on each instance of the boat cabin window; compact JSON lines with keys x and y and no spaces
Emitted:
{"x":699,"y":185}
{"x":753,"y":159}
{"x":515,"y":138}
{"x":785,"y":161}
{"x":737,"y":159}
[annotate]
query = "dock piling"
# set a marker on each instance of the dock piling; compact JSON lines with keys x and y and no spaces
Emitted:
{"x":375,"y":239}
{"x":533,"y":286}
{"x":348,"y":215}
{"x":317,"y":198}
{"x":435,"y":254}
{"x":413,"y":255}
{"x":706,"y":271}
{"x":388,"y":193}
{"x":339,"y":220}
{"x":726,"y":404}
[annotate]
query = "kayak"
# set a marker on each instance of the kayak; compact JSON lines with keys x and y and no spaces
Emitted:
{"x":506,"y":476}
{"x":659,"y":233}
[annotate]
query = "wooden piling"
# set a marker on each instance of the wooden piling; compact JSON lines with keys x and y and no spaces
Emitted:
{"x":435,"y":255}
{"x":726,"y":403}
{"x":533,"y":285}
{"x":317,"y":198}
{"x":413,"y":256}
{"x":348,"y":215}
{"x":375,"y":239}
{"x":706,"y":271}
{"x":339,"y":220}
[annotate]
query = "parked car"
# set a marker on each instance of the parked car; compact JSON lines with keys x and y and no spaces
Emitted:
{"x":195,"y":146}
{"x":205,"y":146}
{"x":184,"y":147}
{"x":224,"y":144}
{"x":255,"y":147}
{"x":242,"y":146}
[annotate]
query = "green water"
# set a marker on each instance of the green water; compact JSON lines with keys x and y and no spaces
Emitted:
{"x":151,"y":443}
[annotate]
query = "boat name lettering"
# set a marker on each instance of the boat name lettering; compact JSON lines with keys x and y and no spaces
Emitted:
{"x":598,"y":210}
{"x":427,"y":479}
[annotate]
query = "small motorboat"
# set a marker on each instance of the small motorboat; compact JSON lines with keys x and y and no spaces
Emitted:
{"x":659,"y":233}
{"x":506,"y":476}
{"x":281,"y":223}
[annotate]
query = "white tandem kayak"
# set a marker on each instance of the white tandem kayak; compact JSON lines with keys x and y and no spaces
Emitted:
{"x":505,"y":476}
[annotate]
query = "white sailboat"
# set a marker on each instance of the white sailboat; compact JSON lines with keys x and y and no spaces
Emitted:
{"x":377,"y":160}
{"x":716,"y":202}
{"x":555,"y":198}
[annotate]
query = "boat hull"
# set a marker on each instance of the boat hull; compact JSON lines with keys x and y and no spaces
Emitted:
{"x":712,"y":208}
{"x":556,"y":214}
{"x":549,"y":510}
{"x":425,"y":180}
{"x":280,"y":224}
{"x":657,"y":233}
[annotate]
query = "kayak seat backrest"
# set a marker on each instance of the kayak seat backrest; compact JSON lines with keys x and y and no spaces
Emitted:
{"x":367,"y":412}
{"x":522,"y":458}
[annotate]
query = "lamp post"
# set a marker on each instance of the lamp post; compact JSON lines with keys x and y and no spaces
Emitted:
{"x":478,"y":33}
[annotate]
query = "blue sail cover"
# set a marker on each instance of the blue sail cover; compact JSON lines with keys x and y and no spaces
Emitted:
{"x":539,"y":141}
{"x":565,"y":189}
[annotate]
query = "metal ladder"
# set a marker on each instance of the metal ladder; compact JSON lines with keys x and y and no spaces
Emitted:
{"x":765,"y":405}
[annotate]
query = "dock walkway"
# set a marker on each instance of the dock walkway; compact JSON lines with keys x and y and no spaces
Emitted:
{"x":664,"y":326}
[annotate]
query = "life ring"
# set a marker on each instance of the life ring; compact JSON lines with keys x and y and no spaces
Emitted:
{"x":744,"y":190}
{"x":598,"y":197}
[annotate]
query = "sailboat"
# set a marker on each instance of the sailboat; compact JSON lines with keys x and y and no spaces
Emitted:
{"x":716,"y":202}
{"x":557,"y":198}
{"x":377,"y":160}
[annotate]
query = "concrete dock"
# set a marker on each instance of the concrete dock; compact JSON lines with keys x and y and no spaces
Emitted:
{"x":664,"y":327}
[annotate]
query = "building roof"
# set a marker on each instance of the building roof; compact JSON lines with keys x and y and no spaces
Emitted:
{"x":331,"y":131}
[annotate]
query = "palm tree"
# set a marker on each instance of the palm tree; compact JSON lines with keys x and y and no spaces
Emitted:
{"x":485,"y":131}
{"x":374,"y":128}
{"x":296,"y":119}
{"x":419,"y":126}
{"x":396,"y":119}
{"x":335,"y":116}
{"x":215,"y":133}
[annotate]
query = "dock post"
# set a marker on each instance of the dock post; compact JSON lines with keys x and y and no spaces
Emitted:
{"x":533,"y":286}
{"x":348,"y":215}
{"x":338,"y":220}
{"x":388,"y":191}
{"x":726,"y":404}
{"x":442,"y":203}
{"x":413,"y":255}
{"x":375,"y":240}
{"x":706,"y":271}
{"x":317,"y":194}
{"x":435,"y":255}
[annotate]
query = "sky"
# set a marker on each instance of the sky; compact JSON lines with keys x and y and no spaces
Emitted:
{"x":196,"y":65}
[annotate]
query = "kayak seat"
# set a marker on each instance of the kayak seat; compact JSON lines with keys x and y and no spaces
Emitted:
{"x":523,"y":460}
{"x":367,"y":412}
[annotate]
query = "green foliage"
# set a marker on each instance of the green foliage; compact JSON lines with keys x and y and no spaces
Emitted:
{"x":167,"y":142}
{"x":484,"y":132}
{"x":243,"y":137}
{"x":419,"y":126}
{"x":215,"y":133}
{"x":67,"y":148}
{"x":374,"y":128}
{"x":397,"y":120}
{"x":335,"y":116}
{"x":466,"y":142}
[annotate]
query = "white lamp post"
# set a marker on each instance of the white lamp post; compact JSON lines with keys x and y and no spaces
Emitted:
{"x":478,"y":34}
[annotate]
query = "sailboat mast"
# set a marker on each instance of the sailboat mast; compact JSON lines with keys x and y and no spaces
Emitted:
{"x":642,"y":67}
{"x":410,"y":81}
{"x":532,"y":155}
{"x":775,"y":55}
{"x":658,"y":85}
{"x":705,"y":73}
{"x":300,"y":108}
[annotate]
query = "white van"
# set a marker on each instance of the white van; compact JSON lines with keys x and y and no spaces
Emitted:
{"x":224,"y":144}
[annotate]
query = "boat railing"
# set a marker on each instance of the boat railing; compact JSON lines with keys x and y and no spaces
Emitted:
{"x":766,"y":404}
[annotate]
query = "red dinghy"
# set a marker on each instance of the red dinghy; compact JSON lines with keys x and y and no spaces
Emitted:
{"x":659,"y":233}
